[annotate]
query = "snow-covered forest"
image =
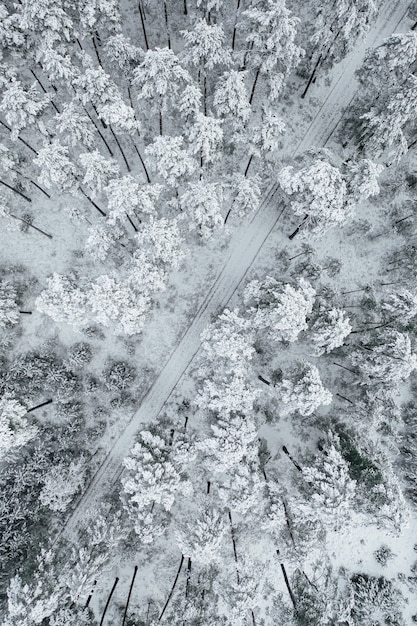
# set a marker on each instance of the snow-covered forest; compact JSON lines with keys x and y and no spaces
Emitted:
{"x":208,"y":312}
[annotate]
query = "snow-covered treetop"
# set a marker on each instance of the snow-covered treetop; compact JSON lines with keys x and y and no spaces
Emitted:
{"x":303,"y":390}
{"x":278,"y":307}
{"x":204,"y":46}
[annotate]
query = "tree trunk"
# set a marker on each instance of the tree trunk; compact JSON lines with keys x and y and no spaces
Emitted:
{"x":44,"y":90}
{"x":120,"y":148}
{"x":263,"y":380}
{"x":99,"y":132}
{"x":90,"y":596}
{"x":108,"y":601}
{"x":142,"y":19}
{"x":414,"y":26}
{"x":167,"y":24}
{"x":287,"y":583}
{"x":38,"y":406}
{"x":252,"y":93}
{"x":96,"y":51}
{"x":143,"y":163}
{"x":345,"y":368}
{"x":92,"y":202}
{"x":232,"y":532}
{"x":31,"y":225}
{"x":129,"y":594}
{"x":172,"y":589}
{"x":185,"y":8}
{"x":26,"y":312}
{"x":160,"y":123}
{"x":234,"y":27}
{"x":248,"y":165}
{"x":19,"y":193}
{"x":344,"y":398}
{"x":296,"y":465}
{"x":20,"y":138}
{"x":297,"y":230}
{"x":205,"y":94}
{"x":312,"y":75}
{"x":187,"y":583}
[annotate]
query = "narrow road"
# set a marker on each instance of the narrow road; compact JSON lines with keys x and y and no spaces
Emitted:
{"x":244,"y":248}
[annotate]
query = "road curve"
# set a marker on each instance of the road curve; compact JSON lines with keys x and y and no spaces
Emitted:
{"x":244,"y":248}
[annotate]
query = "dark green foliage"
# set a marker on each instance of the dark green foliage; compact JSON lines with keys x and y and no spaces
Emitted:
{"x":361,"y":468}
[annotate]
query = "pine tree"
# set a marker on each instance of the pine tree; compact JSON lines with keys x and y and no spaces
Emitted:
{"x":381,"y":114}
{"x":303,"y":390}
{"x":63,"y":300}
{"x":205,"y":137}
{"x":329,"y":330}
{"x":159,"y":80}
{"x":231,"y":98}
{"x":57,"y":168}
{"x":9,"y":312}
{"x":21,"y":107}
{"x":154,"y":474}
{"x":61,"y":483}
{"x":201,"y":536}
{"x":97,"y":170}
{"x":318,"y":193}
{"x":203,"y":201}
{"x":273,"y":52}
{"x":385,"y":357}
{"x":280,"y":309}
{"x":74,"y":126}
{"x":15,"y":429}
{"x":170,"y":161}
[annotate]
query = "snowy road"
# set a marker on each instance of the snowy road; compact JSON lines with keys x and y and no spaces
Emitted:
{"x":244,"y":247}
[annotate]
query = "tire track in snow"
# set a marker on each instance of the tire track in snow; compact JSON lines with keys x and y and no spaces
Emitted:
{"x":245,"y":247}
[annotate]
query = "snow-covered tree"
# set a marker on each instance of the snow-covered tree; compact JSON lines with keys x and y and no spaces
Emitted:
{"x":205,"y":137}
{"x":385,"y":357}
{"x":279,"y":308}
{"x":228,"y":339}
{"x":97,"y":170}
{"x":376,"y":601}
{"x":171,"y":162}
{"x":201,"y":535}
{"x":9,"y":313}
{"x":385,"y":108}
{"x":318,"y":193}
{"x":302,"y":390}
{"x":362,"y":179}
{"x":161,"y":240}
{"x":63,"y":300}
{"x":272,"y":33}
{"x":329,"y":330}
{"x":61,"y":483}
{"x":102,"y":238}
{"x":202,"y":200}
{"x":15,"y":429}
{"x":154,"y":475}
{"x":74,"y":126}
{"x":329,"y":487}
{"x":122,"y":53}
{"x":227,"y":394}
{"x":246,"y":193}
{"x":402,"y":305}
{"x":231,"y":98}
{"x":204,"y":46}
{"x":115,"y":303}
{"x":127,"y":195}
{"x":266,"y":136}
{"x":233,"y":440}
{"x":21,"y":107}
{"x":29,"y":603}
{"x":159,"y":79}
{"x":56,"y":167}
